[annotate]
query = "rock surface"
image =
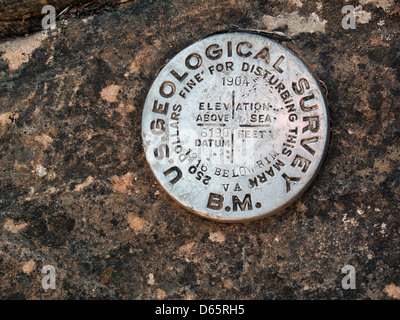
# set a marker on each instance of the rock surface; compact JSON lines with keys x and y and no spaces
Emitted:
{"x":19,"y":18}
{"x":76,"y":191}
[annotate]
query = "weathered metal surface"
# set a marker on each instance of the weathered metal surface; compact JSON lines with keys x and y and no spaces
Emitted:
{"x":235,"y":127}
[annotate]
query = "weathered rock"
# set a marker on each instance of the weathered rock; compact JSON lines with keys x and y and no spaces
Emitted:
{"x":77,"y":193}
{"x":19,"y":18}
{"x":23,"y":9}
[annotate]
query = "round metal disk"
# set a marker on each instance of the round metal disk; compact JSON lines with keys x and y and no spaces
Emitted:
{"x":235,"y":127}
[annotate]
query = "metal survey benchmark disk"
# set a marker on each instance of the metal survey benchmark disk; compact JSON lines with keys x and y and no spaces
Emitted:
{"x":235,"y":127}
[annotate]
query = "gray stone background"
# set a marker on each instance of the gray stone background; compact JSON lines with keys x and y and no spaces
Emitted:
{"x":76,"y":191}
